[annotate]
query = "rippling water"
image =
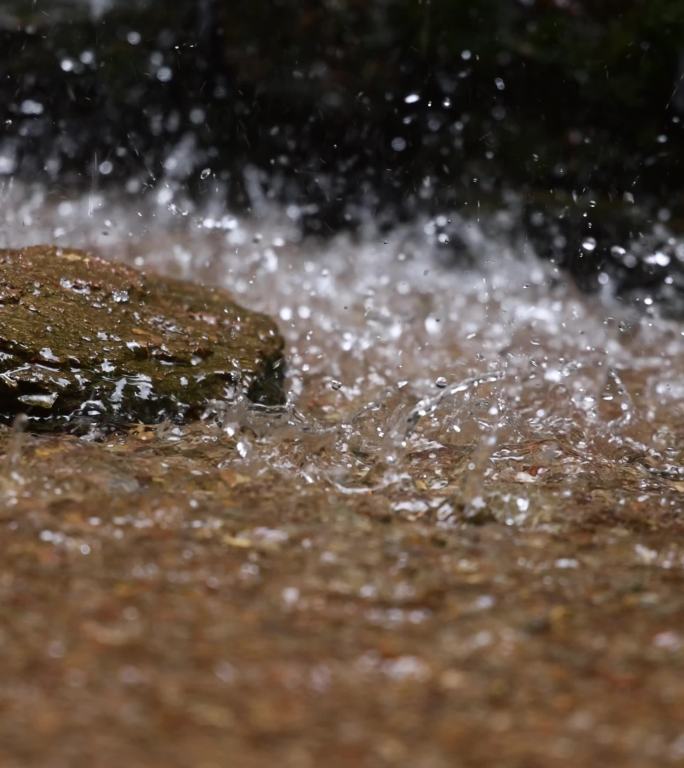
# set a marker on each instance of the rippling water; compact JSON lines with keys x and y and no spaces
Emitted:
{"x":488,"y":387}
{"x":402,"y":361}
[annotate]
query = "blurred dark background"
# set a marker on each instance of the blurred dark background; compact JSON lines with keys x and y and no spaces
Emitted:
{"x":569,"y":111}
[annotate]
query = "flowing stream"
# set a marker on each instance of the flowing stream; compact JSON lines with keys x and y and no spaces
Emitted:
{"x":472,"y":496}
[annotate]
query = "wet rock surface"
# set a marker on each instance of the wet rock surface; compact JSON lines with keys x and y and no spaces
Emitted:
{"x":83,"y":339}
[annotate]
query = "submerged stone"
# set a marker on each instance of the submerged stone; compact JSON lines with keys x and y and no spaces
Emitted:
{"x":83,"y":340}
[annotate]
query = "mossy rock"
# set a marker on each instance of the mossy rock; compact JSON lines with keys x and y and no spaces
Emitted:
{"x":85,"y":340}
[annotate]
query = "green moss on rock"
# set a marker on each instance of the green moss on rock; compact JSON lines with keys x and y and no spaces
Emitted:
{"x":83,"y":339}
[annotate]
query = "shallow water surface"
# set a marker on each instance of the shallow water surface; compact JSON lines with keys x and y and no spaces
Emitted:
{"x":459,"y":542}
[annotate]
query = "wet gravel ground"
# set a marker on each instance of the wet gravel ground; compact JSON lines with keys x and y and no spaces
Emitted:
{"x":160,"y":612}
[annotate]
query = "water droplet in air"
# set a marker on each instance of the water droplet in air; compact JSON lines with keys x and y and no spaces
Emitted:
{"x":30,"y":107}
{"x":658,"y":259}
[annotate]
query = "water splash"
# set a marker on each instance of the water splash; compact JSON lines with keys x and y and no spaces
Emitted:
{"x":489,"y":391}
